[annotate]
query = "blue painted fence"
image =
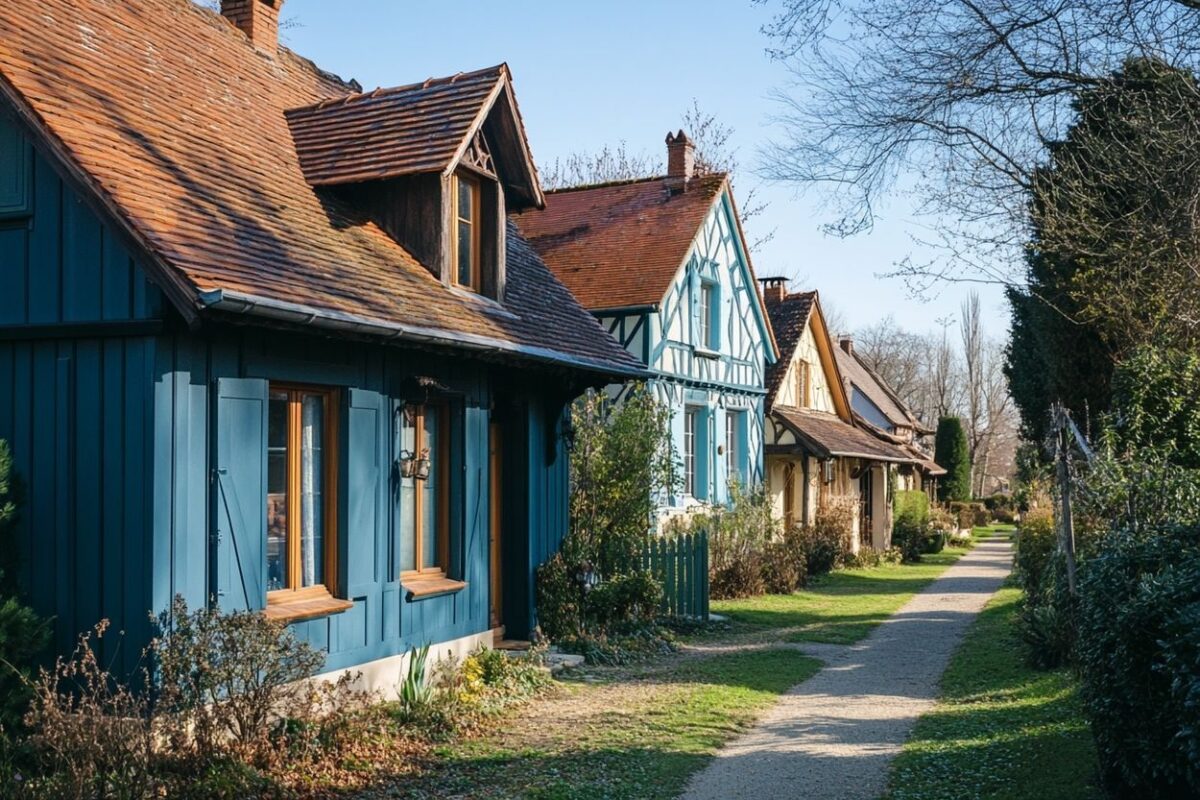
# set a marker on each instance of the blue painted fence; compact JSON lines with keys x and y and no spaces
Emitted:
{"x":680,"y":564}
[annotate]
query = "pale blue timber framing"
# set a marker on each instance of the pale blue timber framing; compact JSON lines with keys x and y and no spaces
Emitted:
{"x":723,"y":377}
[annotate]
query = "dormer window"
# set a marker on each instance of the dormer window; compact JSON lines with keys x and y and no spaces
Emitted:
{"x":466,"y":239}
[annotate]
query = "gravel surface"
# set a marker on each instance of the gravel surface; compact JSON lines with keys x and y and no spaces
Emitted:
{"x":834,"y":735}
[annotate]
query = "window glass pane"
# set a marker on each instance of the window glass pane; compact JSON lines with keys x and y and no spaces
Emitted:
{"x":432,"y":488}
{"x":689,"y":452}
{"x":731,"y":461}
{"x":277,"y":499}
{"x":312,"y":482}
{"x":408,"y":497}
{"x":465,"y":243}
{"x":466,"y":200}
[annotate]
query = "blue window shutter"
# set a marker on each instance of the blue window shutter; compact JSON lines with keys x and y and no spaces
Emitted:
{"x":364,"y":548}
{"x":239,"y":490}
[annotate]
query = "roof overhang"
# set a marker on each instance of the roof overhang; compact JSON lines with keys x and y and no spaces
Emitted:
{"x":267,"y":309}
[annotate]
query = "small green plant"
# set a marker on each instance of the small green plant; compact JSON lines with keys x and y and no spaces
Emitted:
{"x":415,"y":692}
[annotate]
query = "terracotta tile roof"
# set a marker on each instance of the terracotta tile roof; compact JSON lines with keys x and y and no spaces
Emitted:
{"x":830,"y":436}
{"x":177,"y":123}
{"x":620,"y":244}
{"x":387,"y":133}
{"x":874,"y":389}
{"x":789,"y":318}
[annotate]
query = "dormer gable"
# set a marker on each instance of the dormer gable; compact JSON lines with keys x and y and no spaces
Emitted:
{"x":806,"y":374}
{"x":437,"y":165}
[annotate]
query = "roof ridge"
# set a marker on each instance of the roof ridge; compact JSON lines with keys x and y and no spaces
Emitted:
{"x":431,"y":82}
{"x":707,"y":176}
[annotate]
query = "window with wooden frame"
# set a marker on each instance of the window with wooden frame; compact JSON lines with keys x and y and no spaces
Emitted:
{"x":301,"y":501}
{"x":425,"y":501}
{"x":707,"y":322}
{"x":803,"y":384}
{"x":690,"y":419}
{"x":466,"y":244}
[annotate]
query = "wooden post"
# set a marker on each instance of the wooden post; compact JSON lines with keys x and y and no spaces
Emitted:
{"x":1067,"y":530}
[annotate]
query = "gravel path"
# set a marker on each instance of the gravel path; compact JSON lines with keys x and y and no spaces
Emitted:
{"x":834,"y":735}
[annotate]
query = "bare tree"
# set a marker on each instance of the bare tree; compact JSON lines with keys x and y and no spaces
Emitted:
{"x":944,"y":384}
{"x":607,"y":165}
{"x":954,"y":101}
{"x":974,"y":371}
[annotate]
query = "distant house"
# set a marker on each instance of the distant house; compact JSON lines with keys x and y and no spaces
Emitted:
{"x":269,"y":342}
{"x":819,"y":456}
{"x":663,"y":264}
{"x":880,"y":410}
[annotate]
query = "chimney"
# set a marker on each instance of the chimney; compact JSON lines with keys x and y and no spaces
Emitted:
{"x":847,"y":344}
{"x":774,"y":290}
{"x":681,"y":161}
{"x":258,"y":19}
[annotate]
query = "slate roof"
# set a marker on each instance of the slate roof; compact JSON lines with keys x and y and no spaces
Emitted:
{"x":169,"y":116}
{"x":874,"y":389}
{"x":829,"y":436}
{"x":789,"y":318}
{"x":620,"y":244}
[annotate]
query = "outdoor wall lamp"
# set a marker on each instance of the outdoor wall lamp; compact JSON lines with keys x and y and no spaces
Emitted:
{"x":415,"y":466}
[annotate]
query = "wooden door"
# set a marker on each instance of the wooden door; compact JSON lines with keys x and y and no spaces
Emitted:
{"x":496,"y":482}
{"x":866,"y":499}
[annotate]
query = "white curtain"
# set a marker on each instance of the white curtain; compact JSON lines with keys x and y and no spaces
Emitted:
{"x":311,"y":512}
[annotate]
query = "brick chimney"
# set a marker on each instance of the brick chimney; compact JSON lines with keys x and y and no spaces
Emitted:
{"x":774,"y":290}
{"x":681,"y":161}
{"x":258,"y":19}
{"x":847,"y":344}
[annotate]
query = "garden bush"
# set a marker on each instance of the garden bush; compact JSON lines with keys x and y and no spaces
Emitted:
{"x":784,"y":563}
{"x":1036,"y":545}
{"x":1138,"y":654}
{"x":23,"y":634}
{"x":622,"y":461}
{"x":738,"y":539}
{"x":827,"y":541}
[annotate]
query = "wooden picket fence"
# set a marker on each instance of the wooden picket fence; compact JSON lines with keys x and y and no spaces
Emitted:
{"x":680,"y":564}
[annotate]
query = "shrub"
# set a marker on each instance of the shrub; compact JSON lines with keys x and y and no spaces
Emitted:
{"x":621,"y":464}
{"x":827,"y":541}
{"x":92,"y":736}
{"x":1037,"y":543}
{"x":632,"y":598}
{"x":226,"y":679}
{"x":23,"y":634}
{"x":1048,"y":633}
{"x":737,"y":542}
{"x":1138,"y":653}
{"x":784,"y":566}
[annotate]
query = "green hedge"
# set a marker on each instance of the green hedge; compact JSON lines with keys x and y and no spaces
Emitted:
{"x":911,"y":505}
{"x":1138,"y":652}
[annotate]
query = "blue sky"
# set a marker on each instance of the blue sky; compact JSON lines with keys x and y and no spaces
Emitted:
{"x":590,"y":74}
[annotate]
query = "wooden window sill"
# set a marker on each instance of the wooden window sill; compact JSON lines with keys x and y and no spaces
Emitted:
{"x":421,"y":588}
{"x":302,"y":608}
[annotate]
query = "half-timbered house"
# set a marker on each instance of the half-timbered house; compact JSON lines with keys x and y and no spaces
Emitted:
{"x":268,"y":341}
{"x":818,"y":456}
{"x":663,"y":264}
{"x":878,"y":409}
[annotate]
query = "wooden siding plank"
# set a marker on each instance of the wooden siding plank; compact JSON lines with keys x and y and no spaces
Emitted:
{"x":14,"y":256}
{"x":112,"y":484}
{"x":81,"y":261}
{"x":45,"y":247}
{"x":85,"y":530}
{"x":117,"y":270}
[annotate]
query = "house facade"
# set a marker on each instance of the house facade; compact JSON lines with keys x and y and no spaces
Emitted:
{"x":878,"y":409}
{"x":663,"y":265}
{"x":269,"y":342}
{"x":819,"y":458}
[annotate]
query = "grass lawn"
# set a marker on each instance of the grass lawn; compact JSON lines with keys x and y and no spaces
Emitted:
{"x":639,"y":734}
{"x":1002,"y":731}
{"x":842,"y":607}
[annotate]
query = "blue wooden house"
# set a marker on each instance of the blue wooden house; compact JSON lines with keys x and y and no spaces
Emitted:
{"x":269,"y":341}
{"x":663,"y":264}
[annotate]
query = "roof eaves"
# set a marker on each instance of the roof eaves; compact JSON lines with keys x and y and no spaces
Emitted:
{"x":239,"y":303}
